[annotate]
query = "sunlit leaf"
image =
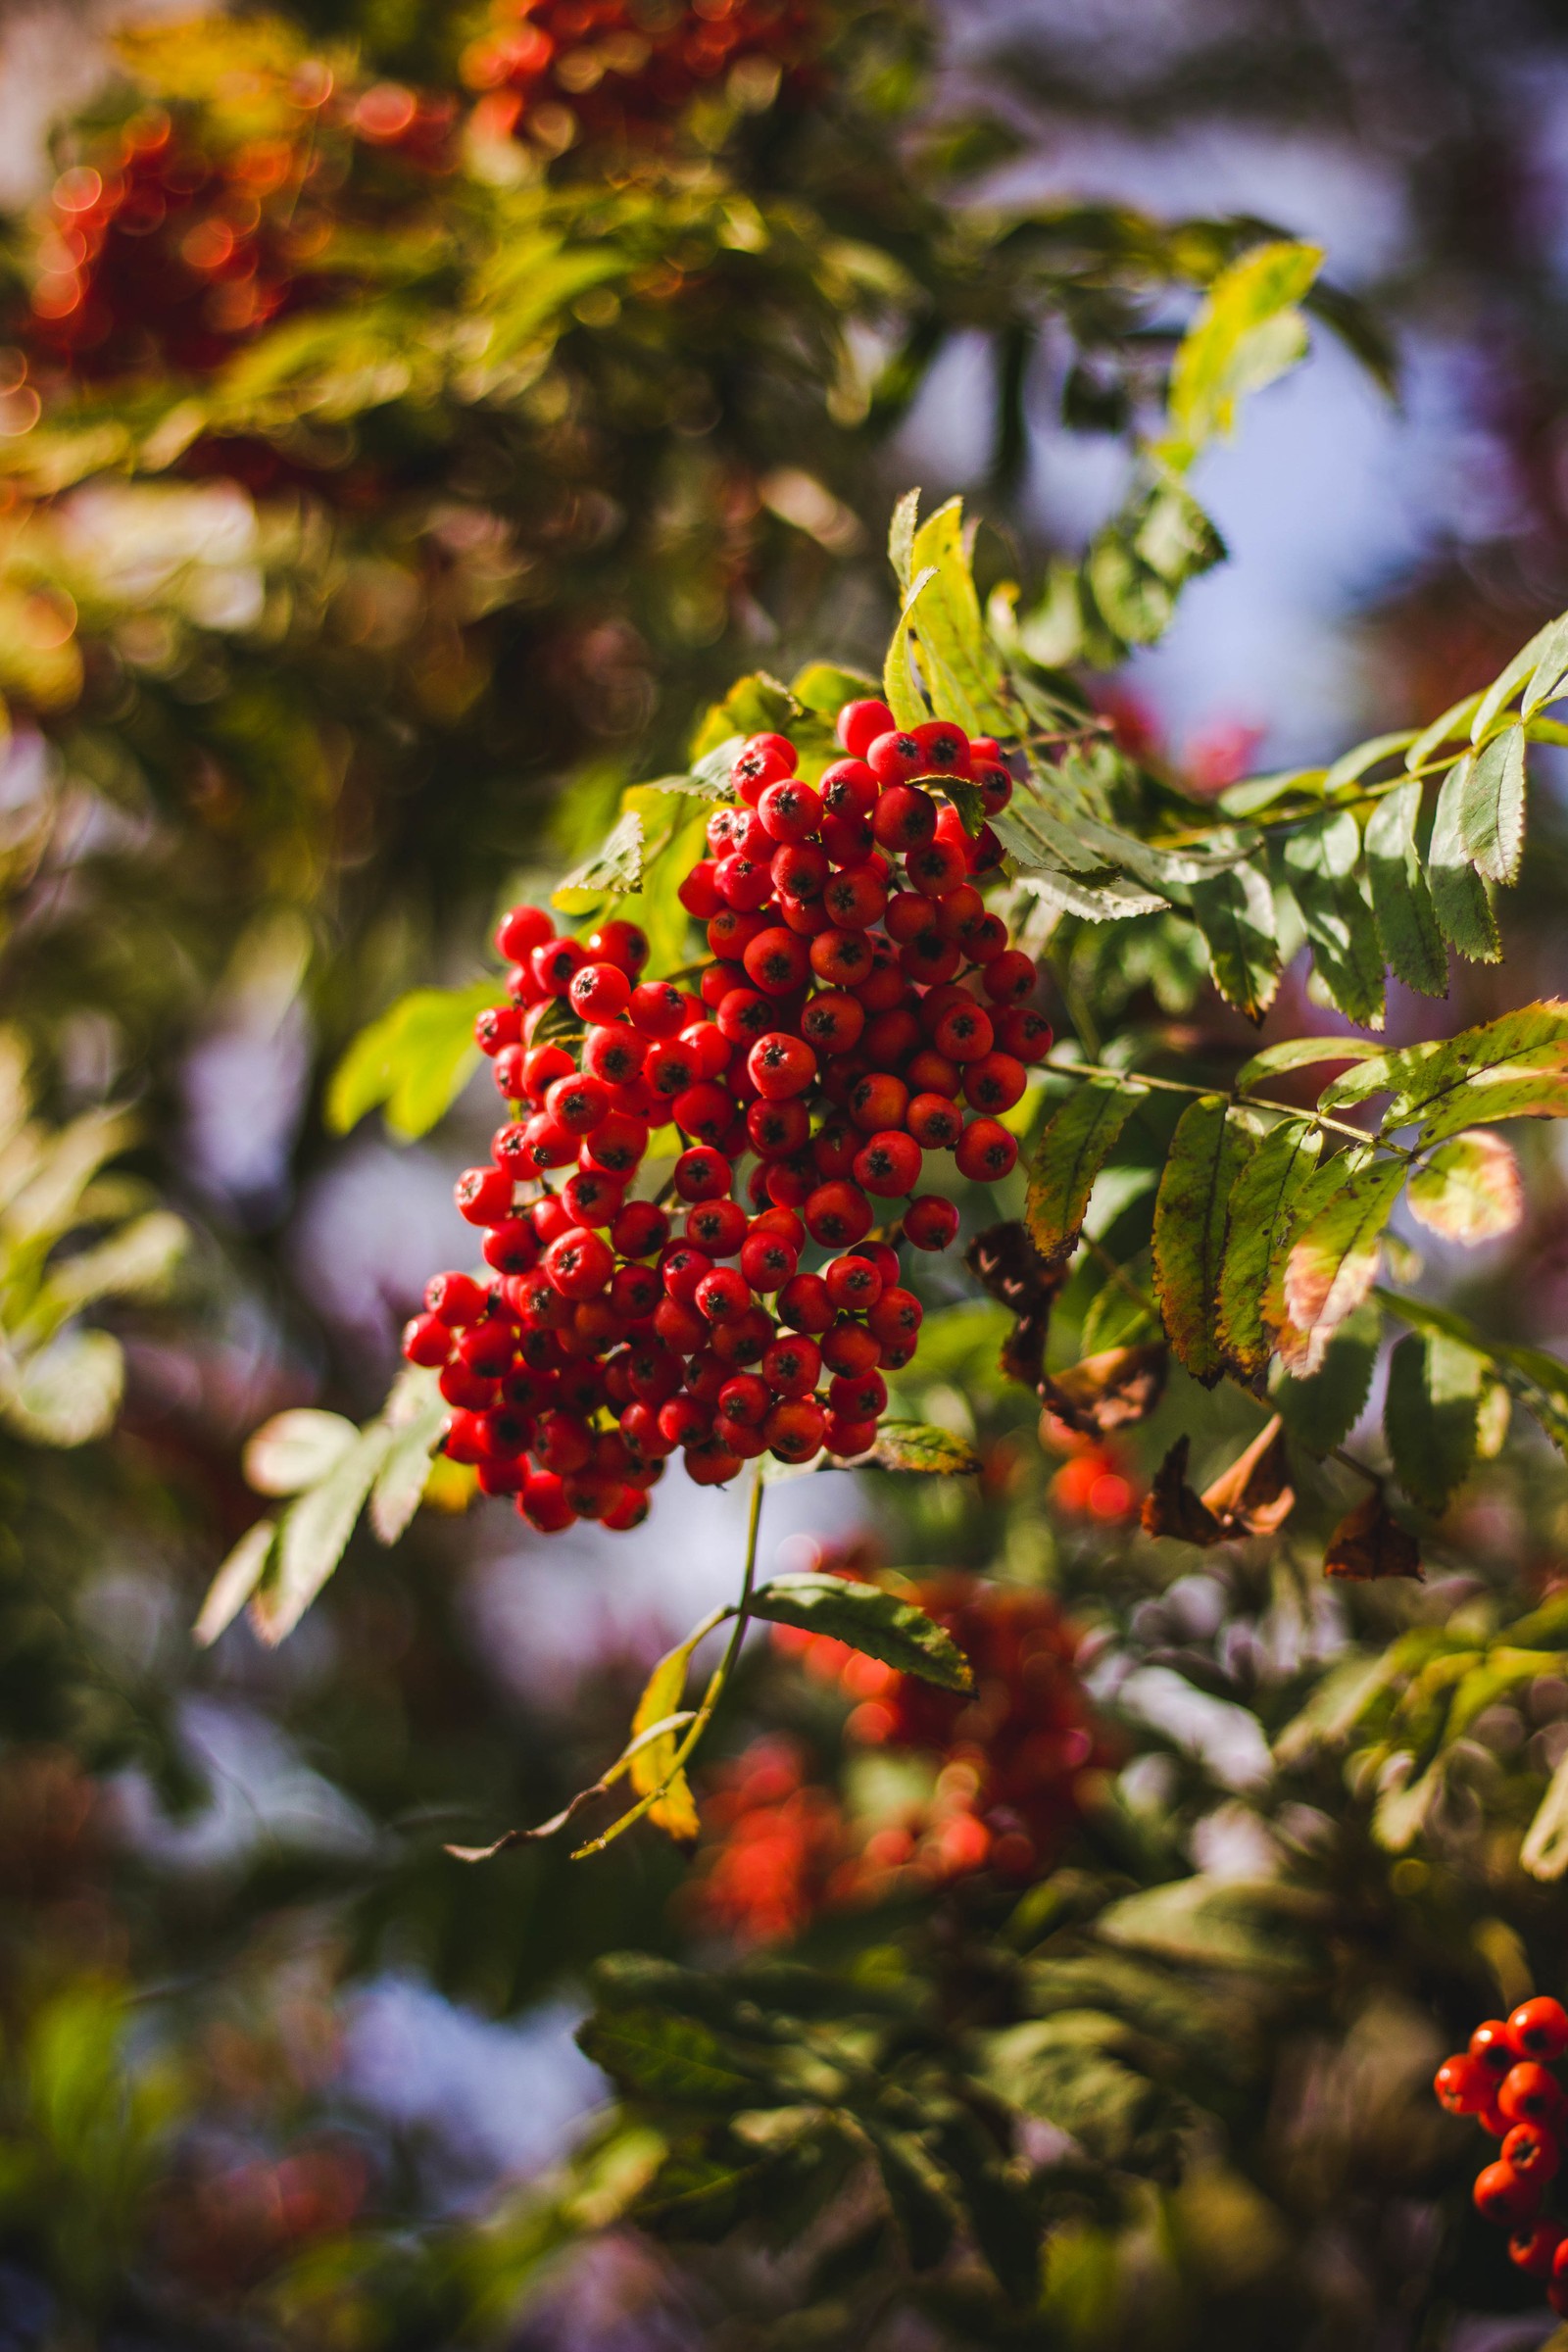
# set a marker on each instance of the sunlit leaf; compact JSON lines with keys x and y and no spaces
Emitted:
{"x":1408,"y":931}
{"x":296,"y":1449}
{"x":868,"y":1619}
{"x":1430,"y":1413}
{"x":1075,"y":1145}
{"x":1207,"y":1152}
{"x":1334,"y":1261}
{"x":1492,"y":807}
{"x":1258,"y":1215}
{"x":1469,"y":1190}
{"x":1459,"y":897}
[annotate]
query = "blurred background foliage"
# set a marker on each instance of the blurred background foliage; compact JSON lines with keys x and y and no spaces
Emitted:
{"x":404,"y":440}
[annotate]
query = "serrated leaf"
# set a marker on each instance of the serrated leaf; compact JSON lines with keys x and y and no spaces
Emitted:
{"x":1321,"y":1409}
{"x":1535,"y":1379}
{"x":901,"y":680}
{"x":868,"y":1619}
{"x":417,"y":1414}
{"x":1246,"y":332}
{"x":1321,"y":861}
{"x":1492,"y":807}
{"x":1408,"y":931}
{"x":315,"y":1532}
{"x":1333,"y":1262}
{"x":1110,"y":898}
{"x":1500,"y":693}
{"x":651,"y":1766}
{"x":1469,"y":1191}
{"x":613,"y":871}
{"x":653,"y":2055}
{"x":823,"y":687}
{"x":707,"y":778}
{"x":295,"y":1450}
{"x":1235,"y":912}
{"x":901,"y":539}
{"x":1258,"y":1217}
{"x":1515,"y":1067}
{"x":1431,"y":1415}
{"x":1353,"y":765}
{"x":417,"y":1059}
{"x":961,"y":673}
{"x":1207,"y":1152}
{"x":1299,"y":1053}
{"x":236,"y":1580}
{"x":1459,"y":897}
{"x":1449,"y":729}
{"x":920,"y":1445}
{"x":755,"y":704}
{"x":1551,"y":649}
{"x":1075,"y":1145}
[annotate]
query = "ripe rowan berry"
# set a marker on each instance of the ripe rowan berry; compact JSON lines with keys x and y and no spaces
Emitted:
{"x":616,"y":1144}
{"x":862,"y":1397}
{"x":542,"y":1501}
{"x":578,"y":1103}
{"x":841,"y":958}
{"x":622,"y":942}
{"x":794,"y":1429}
{"x":718,"y":1226}
{"x":760,"y":763}
{"x":723,"y":1295}
{"x":555,"y":964}
{"x":507,"y":1071}
{"x":836,"y":1214}
{"x":793,"y":1365}
{"x":776,"y":961}
{"x":427,"y":1341}
{"x":1502,"y":2195}
{"x":780,"y":1067}
{"x":860,"y":724}
{"x":599,"y":992}
{"x":993,"y":784}
{"x":462,"y":1386}
{"x":805,"y":1306}
{"x":1533,"y":2245}
{"x":521,"y":930}
{"x":579,"y":1264}
{"x":848,"y":789}
{"x":889,"y":1164}
{"x":800,"y":870}
{"x":934,"y":1122}
{"x":789,"y":811}
{"x":1533,"y":2151}
{"x":964,"y":1032}
{"x":890,"y":1038}
{"x":930,"y":1223}
{"x":497,"y":1026}
{"x":1011,"y":977}
{"x":847,"y":1440}
{"x":985,"y":1151}
{"x":699,"y":892}
{"x":767,"y":1261}
{"x":904,"y":818}
{"x":944,"y":748}
{"x":936,"y":869}
{"x":456,"y":1297}
{"x":995,"y":1083}
{"x":512,"y":1247}
{"x":1539,"y":2028}
{"x":640,"y":1229}
{"x":893,"y":759}
{"x":1529,"y":2093}
{"x":592,"y":1196}
{"x":746,"y":1398}
{"x":854,"y":897}
{"x":854,"y":1284}
{"x":879,"y":1100}
{"x":848,"y":840}
{"x":483,"y":1195}
{"x":848,"y":1347}
{"x":929,"y":958}
{"x":833,"y":1020}
{"x":1023,"y":1033}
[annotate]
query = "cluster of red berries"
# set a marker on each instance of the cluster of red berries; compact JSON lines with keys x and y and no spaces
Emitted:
{"x":621,"y":67}
{"x":1505,"y":2080}
{"x":167,"y":255}
{"x":830,"y":1044}
{"x":1011,"y":1756}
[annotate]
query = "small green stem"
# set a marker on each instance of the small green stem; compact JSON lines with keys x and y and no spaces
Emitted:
{"x":717,"y":1682}
{"x":1182,"y":1086}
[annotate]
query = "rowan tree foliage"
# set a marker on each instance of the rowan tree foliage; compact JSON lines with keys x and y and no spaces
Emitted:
{"x":447,"y":470}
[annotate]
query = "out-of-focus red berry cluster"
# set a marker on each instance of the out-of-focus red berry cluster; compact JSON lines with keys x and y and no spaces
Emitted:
{"x":1012,"y":1756}
{"x":831,"y":1043}
{"x":622,"y":69}
{"x":169,"y":251}
{"x":1505,"y":2080}
{"x":1097,"y":1481}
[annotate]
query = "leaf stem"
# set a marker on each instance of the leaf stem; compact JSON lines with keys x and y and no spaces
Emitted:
{"x":717,"y":1685}
{"x":1182,"y":1086}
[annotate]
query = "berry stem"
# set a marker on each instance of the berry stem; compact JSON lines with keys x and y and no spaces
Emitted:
{"x":717,"y":1685}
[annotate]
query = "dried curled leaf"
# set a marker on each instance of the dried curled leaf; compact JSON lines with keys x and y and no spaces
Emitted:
{"x":1005,"y":1263}
{"x":1113,"y":1389}
{"x":1252,"y":1497}
{"x":1369,"y":1544}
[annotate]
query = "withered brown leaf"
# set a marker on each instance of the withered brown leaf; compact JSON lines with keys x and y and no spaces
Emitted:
{"x":1005,"y":1263}
{"x":1109,"y":1390}
{"x":1370,"y":1543}
{"x":1171,"y":1509}
{"x":1254,"y":1496}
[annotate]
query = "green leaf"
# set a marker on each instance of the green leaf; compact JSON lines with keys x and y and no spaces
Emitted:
{"x":653,"y":2055}
{"x":67,"y":1393}
{"x":1256,"y":1925}
{"x":651,"y":1766}
{"x":236,"y":1580}
{"x":416,"y":1414}
{"x":1075,"y":1145}
{"x":314,"y":1532}
{"x":1071,"y":2070}
{"x":1537,"y":1379}
{"x":961,"y":673}
{"x":417,"y":1059}
{"x":1353,"y":765}
{"x":1407,"y":924}
{"x":1334,"y":1260}
{"x":757,"y":705}
{"x":1469,"y":1191}
{"x":1321,"y":1410}
{"x":1550,"y":648}
{"x":296,"y":1449}
{"x":901,"y":539}
{"x":1235,"y":912}
{"x":1299,"y":1053}
{"x":1431,"y":1415}
{"x":1459,"y":897}
{"x":1246,"y":332}
{"x":868,"y":1619}
{"x":1515,"y":1067}
{"x":1112,"y":898}
{"x":613,"y":871}
{"x":823,"y":687}
{"x":1321,"y":862}
{"x":1211,"y":1145}
{"x":1453,"y":723}
{"x":1492,"y":807}
{"x":900,"y":679}
{"x":707,"y":778}
{"x":1259,"y":1216}
{"x":920,"y":1445}
{"x":918,"y":2190}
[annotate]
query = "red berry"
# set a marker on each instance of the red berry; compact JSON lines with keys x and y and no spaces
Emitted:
{"x":805,"y":1306}
{"x":904,"y":818}
{"x":427,"y":1341}
{"x":542,"y":1501}
{"x":1026,"y":1034}
{"x":1502,"y":2195}
{"x":1539,"y":2028}
{"x":776,"y":961}
{"x":543,"y":1065}
{"x":858,"y":1396}
{"x":1533,"y":2247}
{"x":848,"y":790}
{"x":613,"y":1051}
{"x":746,"y":1398}
{"x":519,"y":931}
{"x":1529,"y":2094}
{"x":600,"y":992}
{"x":722,"y":1296}
{"x":512,"y":1247}
{"x":896,"y":1318}
{"x":995,"y":1083}
{"x":794,"y":1429}
{"x":456,"y":1297}
{"x":878,"y":1101}
{"x":767,"y":1261}
{"x":985,"y":1151}
{"x":930,"y":1223}
{"x":964,"y":1032}
{"x":893,"y":759}
{"x":497,"y":1026}
{"x":483,"y":1194}
{"x":555,"y":964}
{"x":988,"y":941}
{"x":617,"y":1144}
{"x":579,"y":1104}
{"x":1011,"y":978}
{"x":944,"y":748}
{"x":1461,"y":2084}
{"x":640,"y":1229}
{"x":758,"y":766}
{"x":1533,"y":2151}
{"x":837,"y":1215}
{"x":833,"y":1020}
{"x":789,"y":809}
{"x":936,"y":869}
{"x":859,"y":725}
{"x":849,"y":1348}
{"x":579,"y":1264}
{"x":709,"y":1463}
{"x":658,"y":1009}
{"x":889,"y":1164}
{"x":856,"y":899}
{"x":853,"y":1284}
{"x":702,"y":1174}
{"x":934,"y":1122}
{"x":845,"y":1440}
{"x":699,"y":892}
{"x":799,"y":868}
{"x":592,"y":1196}
{"x":793,"y":1366}
{"x":562,"y":1443}
{"x":780,"y":1067}
{"x":620,"y":943}
{"x":1491,"y":2046}
{"x":718,"y":1226}
{"x":744,"y":883}
{"x":841,"y":958}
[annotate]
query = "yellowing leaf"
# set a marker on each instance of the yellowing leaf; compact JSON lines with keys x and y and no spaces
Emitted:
{"x":1074,"y":1146}
{"x":1333,"y":1262}
{"x":1208,"y":1149}
{"x":652,"y":1765}
{"x":1469,"y":1190}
